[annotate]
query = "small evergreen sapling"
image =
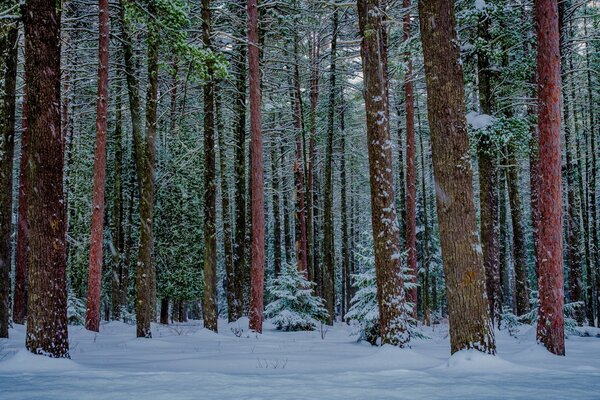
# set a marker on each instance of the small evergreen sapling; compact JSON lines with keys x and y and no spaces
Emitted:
{"x":296,"y":307}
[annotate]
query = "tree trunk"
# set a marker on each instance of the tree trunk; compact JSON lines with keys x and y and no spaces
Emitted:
{"x":386,"y":236}
{"x":425,"y":242}
{"x":470,"y":324}
{"x":240,"y":262}
{"x":258,"y":208}
{"x":8,"y":83}
{"x":329,"y":240}
{"x":346,"y":281}
{"x":519,"y":250}
{"x":488,"y":175}
{"x":276,"y":189}
{"x":287,"y":212}
{"x":593,"y":273}
{"x":411,"y":174}
{"x":118,"y":296}
{"x":312,"y":266}
{"x":20,"y":294}
{"x":92,"y":315}
{"x":145,"y":272}
{"x":574,"y":219}
{"x":164,"y":311}
{"x":300,"y":209}
{"x":226,"y":212}
{"x":550,"y":329}
{"x":47,"y":295}
{"x":209,"y":305}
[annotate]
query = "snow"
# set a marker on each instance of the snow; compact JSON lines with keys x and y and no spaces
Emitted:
{"x":479,"y":121}
{"x":184,"y":361}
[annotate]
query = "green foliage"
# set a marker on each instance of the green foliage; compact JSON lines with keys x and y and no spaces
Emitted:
{"x":503,"y":131}
{"x":75,"y":309}
{"x":296,"y":307}
{"x":172,"y":19}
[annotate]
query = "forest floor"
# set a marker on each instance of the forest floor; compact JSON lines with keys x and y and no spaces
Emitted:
{"x":184,"y":361}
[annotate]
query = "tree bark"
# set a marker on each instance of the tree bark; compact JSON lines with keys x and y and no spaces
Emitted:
{"x":386,"y":236}
{"x":550,"y":329}
{"x":225,"y":212}
{"x":411,"y":174}
{"x":92,"y":315}
{"x":20,"y":294}
{"x":519,"y":250}
{"x":488,"y":174}
{"x":276,"y":189}
{"x":312,"y":265}
{"x":47,"y":295}
{"x":470,"y":324}
{"x":118,"y":294}
{"x":240,"y":262}
{"x":346,"y":281}
{"x":329,"y":275}
{"x":8,"y":83}
{"x":300,"y":209}
{"x":258,"y":209}
{"x":210,"y":237}
{"x":574,"y":218}
{"x":145,"y":272}
{"x":593,"y":273}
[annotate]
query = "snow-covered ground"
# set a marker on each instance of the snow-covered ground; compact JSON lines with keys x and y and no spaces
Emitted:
{"x":184,"y":361}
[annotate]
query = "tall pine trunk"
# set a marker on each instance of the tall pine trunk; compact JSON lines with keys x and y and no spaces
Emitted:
{"x":20,"y":293}
{"x":386,"y":236}
{"x":8,"y":83}
{"x":488,"y":174}
{"x":118,"y":294}
{"x":92,"y":315}
{"x":470,"y":324}
{"x":550,"y":329}
{"x":225,"y":211}
{"x":329,"y":242}
{"x":47,"y":293}
{"x":314,"y":273}
{"x":300,"y":208}
{"x":411,"y":173}
{"x":258,"y":209}
{"x":240,"y":262}
{"x":145,"y":280}
{"x":518,"y":230}
{"x":209,"y":306}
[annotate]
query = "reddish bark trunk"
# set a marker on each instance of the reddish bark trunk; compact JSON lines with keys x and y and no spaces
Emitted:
{"x":258,"y":209}
{"x":92,"y":316}
{"x":550,"y":329}
{"x":411,"y":175}
{"x":47,"y":296}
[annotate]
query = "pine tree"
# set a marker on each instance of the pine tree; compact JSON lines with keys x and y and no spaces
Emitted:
{"x":8,"y":82}
{"x":296,"y":307}
{"x":256,"y":156}
{"x":550,"y":328}
{"x":470,"y":324}
{"x":390,"y":285}
{"x":47,"y":293}
{"x":92,"y":320}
